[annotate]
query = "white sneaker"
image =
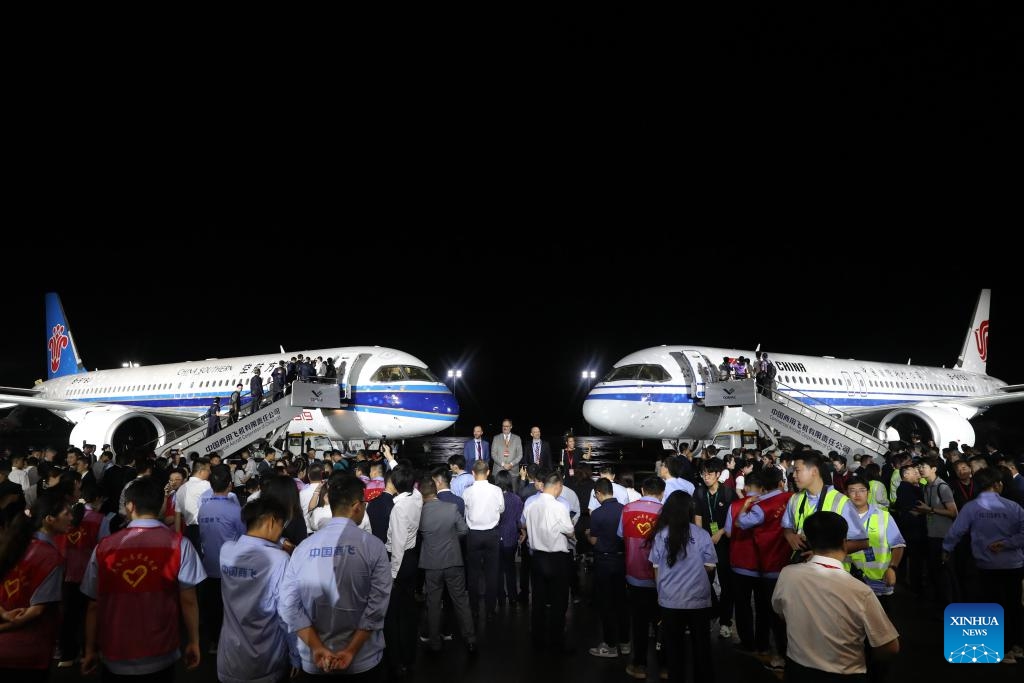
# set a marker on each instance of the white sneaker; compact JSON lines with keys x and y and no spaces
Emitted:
{"x":625,"y":649}
{"x":725,"y":632}
{"x":603,"y":650}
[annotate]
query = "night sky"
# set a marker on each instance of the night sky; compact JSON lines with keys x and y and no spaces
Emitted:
{"x":522,"y":329}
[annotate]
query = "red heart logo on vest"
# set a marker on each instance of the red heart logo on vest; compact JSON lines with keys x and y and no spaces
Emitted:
{"x":75,"y":536}
{"x":135,"y":576}
{"x":644,"y":528}
{"x":12,"y":586}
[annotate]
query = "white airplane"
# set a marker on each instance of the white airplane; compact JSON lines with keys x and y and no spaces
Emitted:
{"x":650,"y":393}
{"x":391,"y":393}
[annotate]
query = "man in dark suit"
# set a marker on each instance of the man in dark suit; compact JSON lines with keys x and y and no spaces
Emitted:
{"x":442,"y":477}
{"x":537,"y":451}
{"x":476,"y":448}
{"x":256,"y":390}
{"x":114,"y":480}
{"x":441,"y":527}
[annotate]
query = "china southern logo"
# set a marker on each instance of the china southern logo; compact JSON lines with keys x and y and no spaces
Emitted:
{"x":973,"y":633}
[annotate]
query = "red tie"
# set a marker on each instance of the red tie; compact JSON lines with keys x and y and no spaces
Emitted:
{"x":477,"y":450}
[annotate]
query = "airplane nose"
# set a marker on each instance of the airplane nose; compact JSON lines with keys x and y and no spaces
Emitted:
{"x":596,"y":412}
{"x":448,"y":405}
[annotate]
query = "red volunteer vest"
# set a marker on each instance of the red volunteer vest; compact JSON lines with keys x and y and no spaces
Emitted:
{"x":138,"y":592}
{"x":30,"y":647}
{"x":773,"y":551}
{"x":78,"y":545}
{"x":373,"y":489}
{"x":742,"y":551}
{"x":638,"y":519}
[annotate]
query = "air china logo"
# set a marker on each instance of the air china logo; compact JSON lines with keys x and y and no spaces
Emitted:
{"x":981,"y":339}
{"x":58,"y":342}
{"x":973,"y":633}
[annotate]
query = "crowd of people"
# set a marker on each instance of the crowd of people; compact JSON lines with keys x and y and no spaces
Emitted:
{"x":346,"y":566}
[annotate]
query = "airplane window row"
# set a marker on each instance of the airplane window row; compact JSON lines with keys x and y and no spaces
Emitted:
{"x":152,"y":387}
{"x":797,"y":379}
{"x":644,"y":372}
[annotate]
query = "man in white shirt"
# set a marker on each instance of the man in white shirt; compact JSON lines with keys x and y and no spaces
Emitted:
{"x":549,"y":528}
{"x":484,"y":505}
{"x":618,"y":490}
{"x":402,"y":619}
{"x":19,"y":475}
{"x":828,"y":613}
{"x":187,"y":501}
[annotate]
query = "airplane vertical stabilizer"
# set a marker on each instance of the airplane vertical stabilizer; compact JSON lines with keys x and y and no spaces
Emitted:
{"x":61,"y":354}
{"x":974,"y":354}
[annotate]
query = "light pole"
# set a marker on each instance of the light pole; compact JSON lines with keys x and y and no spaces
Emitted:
{"x":584,"y":376}
{"x":454,"y":374}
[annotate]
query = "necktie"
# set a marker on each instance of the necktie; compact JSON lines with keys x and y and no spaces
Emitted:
{"x":536,"y":452}
{"x":477,"y":450}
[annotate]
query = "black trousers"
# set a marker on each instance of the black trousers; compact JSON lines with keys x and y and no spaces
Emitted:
{"x":483,"y":551}
{"x":507,"y":580}
{"x":937,"y":582}
{"x":211,"y":607}
{"x":751,"y":622}
{"x":402,"y":616}
{"x":550,"y":598}
{"x":674,"y":623}
{"x":191,"y":532}
{"x":914,"y":562}
{"x":254,"y":405}
{"x":643,"y":613}
{"x":610,"y":592}
{"x":722,"y":606}
{"x":1003,"y":587}
{"x":525,"y":571}
{"x":72,"y":628}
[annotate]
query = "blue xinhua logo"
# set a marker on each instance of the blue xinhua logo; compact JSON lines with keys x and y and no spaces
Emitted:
{"x":973,"y":633}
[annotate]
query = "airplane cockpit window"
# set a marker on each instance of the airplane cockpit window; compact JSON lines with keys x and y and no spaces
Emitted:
{"x":646,"y":373}
{"x":398,"y":373}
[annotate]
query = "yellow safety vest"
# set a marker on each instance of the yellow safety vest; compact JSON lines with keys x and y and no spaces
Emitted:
{"x":874,"y":488}
{"x":874,"y":565}
{"x":894,"y":483}
{"x":834,"y":502}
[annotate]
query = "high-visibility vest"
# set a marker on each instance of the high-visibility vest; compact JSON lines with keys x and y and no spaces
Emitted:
{"x":876,"y":525}
{"x":894,"y":484}
{"x":875,"y":488}
{"x":834,"y":502}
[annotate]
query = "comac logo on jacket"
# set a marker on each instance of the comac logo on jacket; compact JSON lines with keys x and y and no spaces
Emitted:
{"x":58,"y":342}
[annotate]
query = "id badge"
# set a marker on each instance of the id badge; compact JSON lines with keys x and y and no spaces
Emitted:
{"x":714,"y":527}
{"x":869,"y":554}
{"x":571,"y":473}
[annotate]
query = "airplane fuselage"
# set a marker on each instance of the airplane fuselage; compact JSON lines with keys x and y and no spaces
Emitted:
{"x":658,"y":399}
{"x":383,"y":402}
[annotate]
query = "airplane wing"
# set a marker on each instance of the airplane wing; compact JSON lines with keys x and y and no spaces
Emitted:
{"x":9,"y":399}
{"x":1007,"y":394}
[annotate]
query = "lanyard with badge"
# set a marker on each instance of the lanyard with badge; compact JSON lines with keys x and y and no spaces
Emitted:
{"x":711,"y":508}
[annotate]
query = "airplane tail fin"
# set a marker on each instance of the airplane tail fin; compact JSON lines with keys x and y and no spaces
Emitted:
{"x":62,"y":356}
{"x":974,"y":354}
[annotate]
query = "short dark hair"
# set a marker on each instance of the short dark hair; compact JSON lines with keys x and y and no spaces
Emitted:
{"x":254,"y":510}
{"x":481,"y":467}
{"x":603,"y":486}
{"x":220,"y":478}
{"x":344,"y":489}
{"x":427,"y":487}
{"x":987,"y":477}
{"x":458,"y":460}
{"x":826,"y":531}
{"x":146,"y":494}
{"x":402,"y":477}
{"x":655,"y":486}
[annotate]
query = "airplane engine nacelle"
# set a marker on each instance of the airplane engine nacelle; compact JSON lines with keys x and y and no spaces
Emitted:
{"x":942,"y":424}
{"x":122,"y":430}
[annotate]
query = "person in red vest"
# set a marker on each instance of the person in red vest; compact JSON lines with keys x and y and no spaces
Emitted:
{"x":141,"y":582}
{"x":88,"y":527}
{"x":30,"y":592}
{"x":635,"y":529}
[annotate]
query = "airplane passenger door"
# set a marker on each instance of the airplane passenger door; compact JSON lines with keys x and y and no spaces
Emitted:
{"x":696,"y":370}
{"x":353,"y":374}
{"x":861,"y":387}
{"x":849,"y":383}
